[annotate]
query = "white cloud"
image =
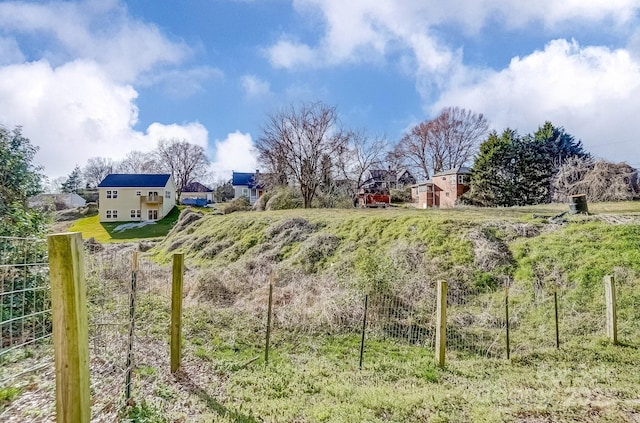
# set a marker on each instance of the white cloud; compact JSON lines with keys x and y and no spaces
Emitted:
{"x":75,"y":95}
{"x":74,"y":112}
{"x":234,"y":153}
{"x":364,"y":30}
{"x":254,"y":87}
{"x":182,"y":83}
{"x":193,"y":132}
{"x":595,"y":89}
{"x":289,"y":54}
{"x":94,"y":30}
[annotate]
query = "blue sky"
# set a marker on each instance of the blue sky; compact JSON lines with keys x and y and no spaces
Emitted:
{"x":101,"y":78}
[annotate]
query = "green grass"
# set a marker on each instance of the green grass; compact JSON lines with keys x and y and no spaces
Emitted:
{"x":315,"y":378}
{"x":313,"y":373}
{"x":91,"y":227}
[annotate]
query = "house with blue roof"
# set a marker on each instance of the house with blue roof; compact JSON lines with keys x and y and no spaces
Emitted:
{"x":247,"y":185}
{"x":135,"y":197}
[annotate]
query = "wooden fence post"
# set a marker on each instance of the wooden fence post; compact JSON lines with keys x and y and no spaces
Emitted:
{"x":176,"y":311}
{"x":441,"y":324}
{"x":70,"y":331}
{"x":612,"y":316}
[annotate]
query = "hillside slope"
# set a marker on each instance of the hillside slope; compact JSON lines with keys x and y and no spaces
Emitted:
{"x":320,"y":256}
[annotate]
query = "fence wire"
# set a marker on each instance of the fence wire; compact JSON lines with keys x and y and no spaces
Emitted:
{"x":26,"y":353}
{"x":125,"y":325}
{"x":476,"y":320}
{"x":25,"y":305}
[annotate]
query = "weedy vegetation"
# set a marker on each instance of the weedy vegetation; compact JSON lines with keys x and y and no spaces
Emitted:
{"x":323,"y":262}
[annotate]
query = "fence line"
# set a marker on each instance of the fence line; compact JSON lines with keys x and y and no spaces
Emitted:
{"x":122,"y":314}
{"x":25,"y":305}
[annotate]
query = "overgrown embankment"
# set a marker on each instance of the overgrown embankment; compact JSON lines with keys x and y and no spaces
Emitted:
{"x":322,"y":257}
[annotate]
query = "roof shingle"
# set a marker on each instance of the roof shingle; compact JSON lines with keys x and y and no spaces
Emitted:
{"x":134,"y":180}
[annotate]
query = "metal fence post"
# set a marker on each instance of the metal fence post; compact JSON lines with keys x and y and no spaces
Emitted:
{"x":612,"y":315}
{"x":70,"y":330}
{"x":364,"y":328}
{"x":132,"y":312}
{"x":269,"y":308}
{"x":506,"y":312}
{"x":555,"y":304}
{"x":441,"y":325}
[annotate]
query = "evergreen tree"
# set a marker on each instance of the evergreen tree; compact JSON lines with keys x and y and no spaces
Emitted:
{"x":513,"y":170}
{"x":73,"y":182}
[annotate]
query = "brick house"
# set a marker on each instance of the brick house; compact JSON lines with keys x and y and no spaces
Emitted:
{"x":443,"y":189}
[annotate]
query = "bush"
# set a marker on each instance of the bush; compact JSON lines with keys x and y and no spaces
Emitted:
{"x":400,"y":195}
{"x":283,"y":199}
{"x":239,"y":204}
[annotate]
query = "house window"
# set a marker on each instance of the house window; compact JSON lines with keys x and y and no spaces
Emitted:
{"x":138,"y":193}
{"x":167,"y":194}
{"x":444,"y":178}
{"x":153,"y":214}
{"x":452,"y":179}
{"x":461,"y":179}
{"x":112,"y":194}
{"x":112,"y":214}
{"x":108,"y":214}
{"x":135,"y":214}
{"x":446,"y":194}
{"x":109,"y":194}
{"x":245,"y":192}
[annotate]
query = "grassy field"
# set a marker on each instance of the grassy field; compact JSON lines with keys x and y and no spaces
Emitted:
{"x":324,"y":257}
{"x":324,"y":261}
{"x":91,"y":227}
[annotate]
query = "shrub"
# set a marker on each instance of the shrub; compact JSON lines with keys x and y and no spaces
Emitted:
{"x":283,"y":199}
{"x":239,"y":204}
{"x":400,"y":195}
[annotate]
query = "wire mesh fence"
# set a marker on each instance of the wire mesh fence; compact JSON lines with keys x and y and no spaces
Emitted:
{"x":25,"y":305}
{"x":129,"y":297}
{"x":476,"y":320}
{"x":126,"y":297}
{"x":26,"y":353}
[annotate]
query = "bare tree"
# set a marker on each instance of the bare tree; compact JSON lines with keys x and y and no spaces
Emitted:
{"x":294,"y":142}
{"x":185,"y":161}
{"x":598,"y":179}
{"x":361,"y":155}
{"x":139,"y":162}
{"x":443,"y":143}
{"x":96,"y":169}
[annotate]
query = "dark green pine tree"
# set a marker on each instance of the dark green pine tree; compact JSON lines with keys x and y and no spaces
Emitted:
{"x":492,"y":179}
{"x":73,"y":182}
{"x":513,"y":170}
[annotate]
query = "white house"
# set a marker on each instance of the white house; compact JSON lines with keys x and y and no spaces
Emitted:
{"x":247,"y":185}
{"x":136,"y":197}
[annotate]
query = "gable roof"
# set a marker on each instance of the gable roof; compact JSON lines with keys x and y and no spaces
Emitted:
{"x":242,"y":179}
{"x":382,"y":174}
{"x":134,"y":180}
{"x":196,"y":187}
{"x":457,"y":171}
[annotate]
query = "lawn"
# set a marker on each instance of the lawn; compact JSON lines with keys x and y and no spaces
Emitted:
{"x":91,"y":227}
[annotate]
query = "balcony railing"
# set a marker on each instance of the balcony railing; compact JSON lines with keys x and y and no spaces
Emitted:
{"x":151,"y":199}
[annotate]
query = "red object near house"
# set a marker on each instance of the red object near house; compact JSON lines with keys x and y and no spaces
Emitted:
{"x":374,"y":200}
